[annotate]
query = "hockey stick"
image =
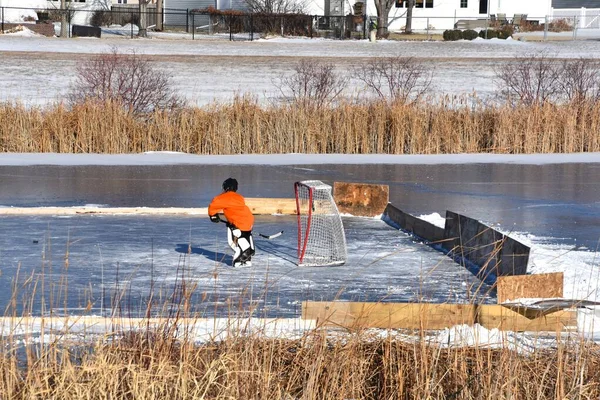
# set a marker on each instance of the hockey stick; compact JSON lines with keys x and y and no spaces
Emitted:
{"x":273,"y":236}
{"x":262,"y":235}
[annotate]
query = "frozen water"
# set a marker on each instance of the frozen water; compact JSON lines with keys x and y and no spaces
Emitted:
{"x":93,"y":261}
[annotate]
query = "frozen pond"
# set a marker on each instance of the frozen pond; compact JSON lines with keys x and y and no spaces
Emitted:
{"x":106,"y":264}
{"x":561,"y":201}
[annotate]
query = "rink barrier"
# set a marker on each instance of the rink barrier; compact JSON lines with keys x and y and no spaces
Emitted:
{"x":462,"y":238}
{"x":433,"y":316}
{"x":493,"y":252}
{"x":424,"y":230}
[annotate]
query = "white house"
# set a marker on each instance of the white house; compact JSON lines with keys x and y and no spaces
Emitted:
{"x":443,"y":14}
{"x":19,"y":11}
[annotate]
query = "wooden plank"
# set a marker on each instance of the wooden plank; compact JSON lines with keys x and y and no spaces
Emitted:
{"x":100,"y":210}
{"x":530,"y":286}
{"x":361,"y":199}
{"x":359,"y":315}
{"x":258,"y":206}
{"x":495,"y":316}
{"x":271,"y":206}
{"x":430,"y":316}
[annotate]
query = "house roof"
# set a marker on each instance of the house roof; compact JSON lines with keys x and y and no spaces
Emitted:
{"x":575,"y":3}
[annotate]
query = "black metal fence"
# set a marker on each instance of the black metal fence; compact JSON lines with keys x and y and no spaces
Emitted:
{"x":231,"y":25}
{"x":253,"y":26}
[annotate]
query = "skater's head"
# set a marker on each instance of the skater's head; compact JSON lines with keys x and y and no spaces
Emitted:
{"x":230,"y":185}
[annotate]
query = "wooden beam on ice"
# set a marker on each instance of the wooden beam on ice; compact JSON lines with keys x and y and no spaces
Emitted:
{"x":503,"y":318}
{"x":431,"y":316}
{"x":259,"y":206}
{"x":358,"y":315}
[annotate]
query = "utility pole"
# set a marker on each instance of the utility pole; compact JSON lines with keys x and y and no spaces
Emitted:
{"x":63,"y":19}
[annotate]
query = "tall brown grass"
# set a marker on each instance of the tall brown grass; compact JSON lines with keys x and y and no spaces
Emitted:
{"x":356,"y":365}
{"x":246,"y":127}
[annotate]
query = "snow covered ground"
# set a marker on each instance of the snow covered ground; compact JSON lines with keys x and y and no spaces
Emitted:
{"x":39,"y":70}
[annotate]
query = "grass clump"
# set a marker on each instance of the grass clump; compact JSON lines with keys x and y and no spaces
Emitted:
{"x":317,"y":365}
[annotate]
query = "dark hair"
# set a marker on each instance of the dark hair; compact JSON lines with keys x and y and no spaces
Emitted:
{"x":230,"y":185}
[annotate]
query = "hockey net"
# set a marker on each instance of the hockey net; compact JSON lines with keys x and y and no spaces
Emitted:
{"x":321,"y":238}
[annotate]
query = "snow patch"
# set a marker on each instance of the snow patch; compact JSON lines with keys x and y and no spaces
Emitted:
{"x":434,"y":218}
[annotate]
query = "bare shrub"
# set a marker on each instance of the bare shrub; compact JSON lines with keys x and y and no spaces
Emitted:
{"x":277,"y":6}
{"x":561,"y":25}
{"x":580,"y":80}
{"x":529,"y":79}
{"x":402,"y":79}
{"x":313,"y":84}
{"x":125,"y":78}
{"x":101,"y":18}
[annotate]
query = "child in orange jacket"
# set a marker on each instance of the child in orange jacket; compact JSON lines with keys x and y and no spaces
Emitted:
{"x":239,"y":222}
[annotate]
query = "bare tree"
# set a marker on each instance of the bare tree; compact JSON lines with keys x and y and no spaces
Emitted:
{"x":277,"y":6}
{"x":529,"y":79}
{"x":401,"y":79}
{"x":313,"y":84}
{"x":410,"y":4}
{"x":63,"y":19}
{"x":383,"y":8}
{"x":143,"y":31}
{"x":159,"y":16}
{"x":580,"y":80}
{"x":126,"y":78}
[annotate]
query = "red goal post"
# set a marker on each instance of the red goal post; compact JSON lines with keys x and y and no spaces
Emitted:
{"x":321,"y":238}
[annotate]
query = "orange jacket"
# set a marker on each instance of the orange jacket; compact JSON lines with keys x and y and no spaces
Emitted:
{"x":235,"y":209}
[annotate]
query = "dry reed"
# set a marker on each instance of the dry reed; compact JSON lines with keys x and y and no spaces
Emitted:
{"x":153,"y":365}
{"x":245,"y":127}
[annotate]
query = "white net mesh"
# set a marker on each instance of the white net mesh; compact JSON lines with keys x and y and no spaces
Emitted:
{"x":321,"y":238}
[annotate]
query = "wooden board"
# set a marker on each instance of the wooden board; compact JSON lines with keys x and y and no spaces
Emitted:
{"x":258,"y":206}
{"x":358,"y":315}
{"x":497,"y":316}
{"x":429,"y":316}
{"x":271,"y":206}
{"x":530,"y":286}
{"x":361,"y":199}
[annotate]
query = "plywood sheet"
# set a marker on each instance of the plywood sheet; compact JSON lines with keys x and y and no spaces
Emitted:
{"x":530,"y":286}
{"x":361,"y":199}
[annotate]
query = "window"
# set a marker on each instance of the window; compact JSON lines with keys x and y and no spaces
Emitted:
{"x":464,"y":3}
{"x":418,"y":3}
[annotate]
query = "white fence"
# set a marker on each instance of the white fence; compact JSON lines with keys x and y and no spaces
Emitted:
{"x":587,"y":18}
